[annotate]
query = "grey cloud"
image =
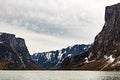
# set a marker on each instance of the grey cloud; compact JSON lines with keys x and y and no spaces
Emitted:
{"x":68,"y":19}
{"x":51,"y":22}
{"x":42,"y":19}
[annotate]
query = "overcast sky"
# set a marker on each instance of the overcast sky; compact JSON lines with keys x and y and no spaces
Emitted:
{"x":53,"y":24}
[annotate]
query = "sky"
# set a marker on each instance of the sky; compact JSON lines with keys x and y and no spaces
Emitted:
{"x":53,"y":24}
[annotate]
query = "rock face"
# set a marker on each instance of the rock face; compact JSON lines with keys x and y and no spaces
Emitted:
{"x":53,"y":59}
{"x":14,"y":53}
{"x":104,"y":53}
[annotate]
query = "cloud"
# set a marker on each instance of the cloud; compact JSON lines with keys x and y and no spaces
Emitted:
{"x":38,"y":42}
{"x":51,"y":22}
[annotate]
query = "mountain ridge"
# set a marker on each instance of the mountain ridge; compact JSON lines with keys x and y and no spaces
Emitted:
{"x":14,"y":54}
{"x":104,"y":52}
{"x":53,"y":59}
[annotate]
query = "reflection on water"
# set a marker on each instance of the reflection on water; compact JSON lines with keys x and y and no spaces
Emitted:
{"x":59,"y":75}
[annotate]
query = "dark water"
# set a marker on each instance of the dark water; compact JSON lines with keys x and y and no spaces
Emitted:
{"x":59,"y":75}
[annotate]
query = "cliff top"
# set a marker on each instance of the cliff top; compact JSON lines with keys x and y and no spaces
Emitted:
{"x":3,"y":33}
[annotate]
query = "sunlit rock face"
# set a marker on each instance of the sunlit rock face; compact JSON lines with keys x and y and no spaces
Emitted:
{"x":104,"y":53}
{"x":13,"y":52}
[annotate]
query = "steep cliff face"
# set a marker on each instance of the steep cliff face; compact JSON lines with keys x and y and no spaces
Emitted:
{"x":14,"y":53}
{"x":107,"y":42}
{"x":104,"y":54}
{"x":53,"y":59}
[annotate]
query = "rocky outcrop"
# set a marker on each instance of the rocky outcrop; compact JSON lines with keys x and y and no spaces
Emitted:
{"x":104,"y":53}
{"x":14,"y":53}
{"x":53,"y":59}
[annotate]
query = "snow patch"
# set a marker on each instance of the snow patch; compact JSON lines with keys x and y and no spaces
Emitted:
{"x":85,"y":48}
{"x":35,"y":54}
{"x":69,"y":55}
{"x":65,"y":52}
{"x":48,"y":56}
{"x":116,"y":63}
{"x":92,"y":61}
{"x":35,"y":59}
{"x":60,"y":55}
{"x":105,"y":57}
{"x":90,"y":55}
{"x":86,"y":59}
{"x":111,"y":59}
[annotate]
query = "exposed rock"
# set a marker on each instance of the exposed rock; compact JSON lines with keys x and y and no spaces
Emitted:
{"x":107,"y":43}
{"x":53,"y":59}
{"x":14,"y":53}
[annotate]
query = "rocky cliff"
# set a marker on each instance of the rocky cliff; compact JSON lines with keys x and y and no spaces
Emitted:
{"x":104,"y":53}
{"x":53,"y":59}
{"x":14,"y":53}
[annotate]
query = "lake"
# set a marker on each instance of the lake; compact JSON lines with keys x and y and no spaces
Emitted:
{"x":59,"y":75}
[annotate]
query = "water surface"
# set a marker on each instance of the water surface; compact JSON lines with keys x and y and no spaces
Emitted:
{"x":59,"y":75}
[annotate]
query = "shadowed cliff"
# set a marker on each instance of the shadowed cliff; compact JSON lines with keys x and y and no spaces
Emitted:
{"x":14,"y":54}
{"x":104,"y":53}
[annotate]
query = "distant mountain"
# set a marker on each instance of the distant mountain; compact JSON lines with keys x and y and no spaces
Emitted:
{"x":104,"y":53}
{"x":14,"y":54}
{"x":53,"y":59}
